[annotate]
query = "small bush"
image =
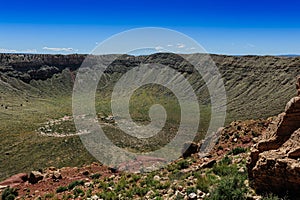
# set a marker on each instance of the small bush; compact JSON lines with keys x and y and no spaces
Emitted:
{"x":226,"y":161}
{"x":122,"y":184}
{"x":61,"y":189}
{"x":108,"y":195}
{"x":183,"y":164}
{"x":75,"y":183}
{"x":49,"y":196}
{"x":68,"y":196}
{"x":95,"y":176}
{"x":190,"y":190}
{"x":162,"y":186}
{"x":103,"y":185}
{"x":203,"y":183}
{"x":230,"y":188}
{"x":140,"y":191}
{"x":224,"y":170}
{"x":176,"y":175}
{"x":238,"y":150}
{"x":9,"y":194}
{"x":129,"y":193}
{"x":135,"y":177}
{"x":89,"y":193}
{"x":78,"y":192}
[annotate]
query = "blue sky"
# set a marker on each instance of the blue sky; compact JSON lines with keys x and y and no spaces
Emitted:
{"x":223,"y":27}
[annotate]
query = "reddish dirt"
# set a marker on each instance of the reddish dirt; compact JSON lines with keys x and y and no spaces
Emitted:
{"x":237,"y":134}
{"x":240,"y":134}
{"x":69,"y":174}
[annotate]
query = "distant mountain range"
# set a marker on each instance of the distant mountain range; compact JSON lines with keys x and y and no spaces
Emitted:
{"x":290,"y":55}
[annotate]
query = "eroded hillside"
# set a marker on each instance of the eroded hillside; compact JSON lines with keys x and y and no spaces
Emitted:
{"x":37,"y":88}
{"x":251,"y":82}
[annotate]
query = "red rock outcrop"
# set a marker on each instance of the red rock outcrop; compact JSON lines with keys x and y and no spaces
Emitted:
{"x":274,"y":163}
{"x":15,"y":180}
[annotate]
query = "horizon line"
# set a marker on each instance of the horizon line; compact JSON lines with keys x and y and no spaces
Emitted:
{"x":210,"y":53}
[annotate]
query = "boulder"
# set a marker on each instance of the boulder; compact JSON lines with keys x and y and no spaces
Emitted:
{"x":298,"y":85}
{"x":273,"y":165}
{"x":208,"y":164}
{"x":192,"y":196}
{"x":35,"y":176}
{"x":190,"y":148}
{"x":56,"y":175}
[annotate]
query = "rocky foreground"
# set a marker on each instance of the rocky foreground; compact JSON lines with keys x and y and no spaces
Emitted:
{"x":274,"y":164}
{"x":192,"y":177}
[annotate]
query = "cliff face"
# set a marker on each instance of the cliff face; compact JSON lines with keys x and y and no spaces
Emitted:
{"x":29,"y":67}
{"x":43,"y":66}
{"x":256,"y":86}
{"x":274,"y":162}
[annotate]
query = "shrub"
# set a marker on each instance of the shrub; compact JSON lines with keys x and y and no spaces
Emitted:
{"x":149,"y":181}
{"x":129,"y":193}
{"x":224,"y":170}
{"x":135,"y":177}
{"x":226,"y":161}
{"x":49,"y":196}
{"x":103,"y":185}
{"x":140,"y":191}
{"x":183,"y":164}
{"x":230,"y":188}
{"x":108,"y":195}
{"x":121,"y":185}
{"x":171,"y":167}
{"x":78,"y":192}
{"x":190,"y":190}
{"x":61,"y":189}
{"x":224,"y":167}
{"x":238,"y":150}
{"x":176,"y":175}
{"x":9,"y":194}
{"x":89,"y":193}
{"x":68,"y":196}
{"x":95,"y":176}
{"x":75,"y":183}
{"x":162,"y":186}
{"x":203,"y":183}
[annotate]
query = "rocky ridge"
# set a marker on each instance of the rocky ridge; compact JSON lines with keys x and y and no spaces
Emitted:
{"x":250,"y":81}
{"x":274,"y":164}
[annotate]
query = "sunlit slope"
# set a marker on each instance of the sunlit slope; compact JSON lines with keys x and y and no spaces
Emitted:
{"x":37,"y":88}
